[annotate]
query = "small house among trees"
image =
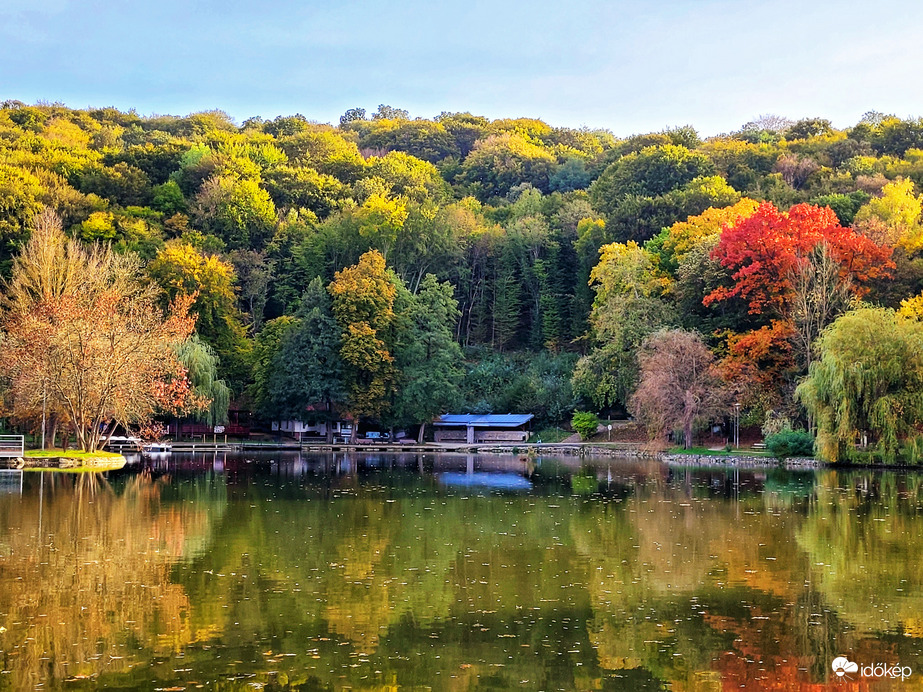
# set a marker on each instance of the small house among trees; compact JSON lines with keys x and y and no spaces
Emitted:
{"x":315,"y":430}
{"x":474,"y":428}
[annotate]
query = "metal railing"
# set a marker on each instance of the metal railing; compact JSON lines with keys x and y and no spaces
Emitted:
{"x":12,"y":446}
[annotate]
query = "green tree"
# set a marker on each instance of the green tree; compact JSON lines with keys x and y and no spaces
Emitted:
{"x":302,"y":187}
{"x":427,"y":355}
{"x":381,"y":220}
{"x":201,"y":363}
{"x":573,"y":174}
{"x":868,"y":380}
{"x":266,"y":346}
{"x":409,"y":176}
{"x":499,"y":162}
{"x":19,"y":192}
{"x":639,"y":217}
{"x":426,"y":140}
{"x":327,"y":152}
{"x":239,"y":212}
{"x":651,"y":172}
{"x":168,"y":199}
{"x":629,"y":305}
{"x":809,"y":127}
{"x":254,"y":275}
{"x":352,"y":115}
{"x":181,"y":270}
{"x":465,"y":129}
{"x":386,"y":112}
{"x":433,"y":240}
{"x":305,"y":380}
{"x":790,"y":443}
{"x":506,"y":301}
{"x":121,"y":183}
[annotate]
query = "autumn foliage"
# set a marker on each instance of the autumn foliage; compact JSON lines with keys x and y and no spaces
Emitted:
{"x":363,"y":305}
{"x":758,"y":362}
{"x":86,"y":342}
{"x":679,"y":386}
{"x":765,"y":249}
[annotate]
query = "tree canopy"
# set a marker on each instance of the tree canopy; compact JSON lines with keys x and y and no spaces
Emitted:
{"x":554,"y":252}
{"x":87,"y":341}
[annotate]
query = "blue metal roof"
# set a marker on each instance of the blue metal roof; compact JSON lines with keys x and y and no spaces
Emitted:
{"x":490,"y":420}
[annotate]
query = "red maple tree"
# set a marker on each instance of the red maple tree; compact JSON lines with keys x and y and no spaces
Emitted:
{"x":764,"y":249}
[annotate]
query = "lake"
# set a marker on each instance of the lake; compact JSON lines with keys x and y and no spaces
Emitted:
{"x":453,"y":572}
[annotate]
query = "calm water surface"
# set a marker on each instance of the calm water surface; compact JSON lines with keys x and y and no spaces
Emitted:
{"x":386,"y":572}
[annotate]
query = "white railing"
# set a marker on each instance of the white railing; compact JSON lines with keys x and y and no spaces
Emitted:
{"x":12,"y":446}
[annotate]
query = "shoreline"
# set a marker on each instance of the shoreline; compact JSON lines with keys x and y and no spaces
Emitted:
{"x":740,"y":459}
{"x":570,"y":449}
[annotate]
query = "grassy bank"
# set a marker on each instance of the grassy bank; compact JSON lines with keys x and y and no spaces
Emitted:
{"x":550,"y":435}
{"x":69,"y":454}
{"x":71,"y":460}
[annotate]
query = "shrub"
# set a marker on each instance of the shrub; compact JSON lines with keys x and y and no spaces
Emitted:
{"x":790,"y":443}
{"x":585,"y":423}
{"x":774,"y":423}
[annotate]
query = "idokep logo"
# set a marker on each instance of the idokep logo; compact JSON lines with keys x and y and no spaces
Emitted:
{"x":843,"y":668}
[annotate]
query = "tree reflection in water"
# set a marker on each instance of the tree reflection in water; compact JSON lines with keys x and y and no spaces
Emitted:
{"x":376,"y":576}
{"x":85,"y":573}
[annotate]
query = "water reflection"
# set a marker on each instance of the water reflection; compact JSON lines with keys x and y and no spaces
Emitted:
{"x":371,"y":572}
{"x":85,"y":574}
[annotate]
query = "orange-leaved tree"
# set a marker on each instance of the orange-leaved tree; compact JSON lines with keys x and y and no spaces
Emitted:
{"x":84,"y":337}
{"x":760,"y":366}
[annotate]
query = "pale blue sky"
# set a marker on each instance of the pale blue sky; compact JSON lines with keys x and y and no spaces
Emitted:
{"x":627,"y":66}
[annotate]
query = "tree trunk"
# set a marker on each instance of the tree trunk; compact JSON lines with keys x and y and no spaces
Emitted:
{"x":54,"y":432}
{"x":687,"y":434}
{"x":421,"y":433}
{"x":109,"y":433}
{"x":329,"y":424}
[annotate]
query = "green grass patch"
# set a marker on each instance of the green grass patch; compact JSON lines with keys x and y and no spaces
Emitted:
{"x":550,"y":435}
{"x":705,"y":452}
{"x":69,"y":454}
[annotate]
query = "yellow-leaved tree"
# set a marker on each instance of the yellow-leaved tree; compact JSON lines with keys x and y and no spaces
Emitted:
{"x":182,"y":271}
{"x":894,"y":218}
{"x":683,"y":236}
{"x":363,"y":305}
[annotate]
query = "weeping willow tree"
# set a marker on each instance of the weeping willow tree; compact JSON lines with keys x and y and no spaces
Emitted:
{"x":202,"y":364}
{"x":868,"y":380}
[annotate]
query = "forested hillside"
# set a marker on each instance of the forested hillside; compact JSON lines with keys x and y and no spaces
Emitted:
{"x":391,"y":267}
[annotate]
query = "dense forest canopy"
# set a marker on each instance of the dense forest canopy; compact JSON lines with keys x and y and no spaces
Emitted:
{"x":486,"y":265}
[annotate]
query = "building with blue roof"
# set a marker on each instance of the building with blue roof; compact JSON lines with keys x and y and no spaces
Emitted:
{"x":474,"y":428}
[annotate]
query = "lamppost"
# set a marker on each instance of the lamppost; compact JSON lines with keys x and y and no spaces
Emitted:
{"x":736,"y":426}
